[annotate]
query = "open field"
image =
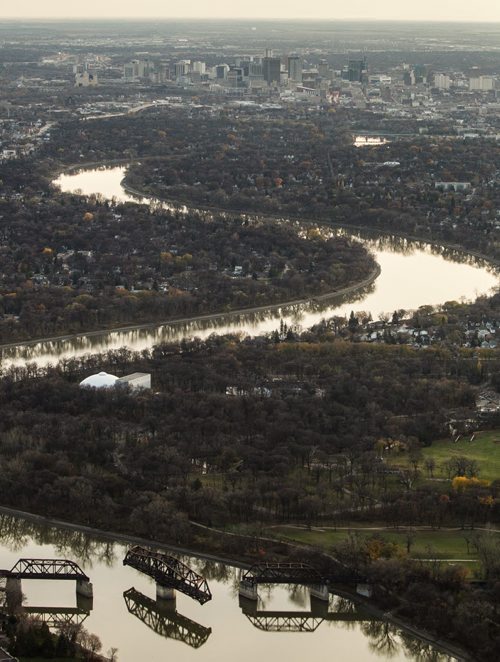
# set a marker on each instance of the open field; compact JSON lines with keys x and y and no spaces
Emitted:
{"x":485,"y":450}
{"x":425,"y":543}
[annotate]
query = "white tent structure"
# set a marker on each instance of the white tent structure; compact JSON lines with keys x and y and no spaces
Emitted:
{"x":100,"y":380}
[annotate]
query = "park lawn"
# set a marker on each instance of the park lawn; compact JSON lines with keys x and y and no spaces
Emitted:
{"x":485,"y":449}
{"x":441,"y":544}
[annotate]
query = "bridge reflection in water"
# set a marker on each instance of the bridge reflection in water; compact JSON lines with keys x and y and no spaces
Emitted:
{"x":11,"y":595}
{"x":339,"y":610}
{"x":61,"y":617}
{"x":162,"y":617}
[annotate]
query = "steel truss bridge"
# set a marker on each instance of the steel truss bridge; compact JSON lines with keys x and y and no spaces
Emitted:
{"x":165,"y":622}
{"x":169,"y":572}
{"x":46,"y":569}
{"x":283,"y":573}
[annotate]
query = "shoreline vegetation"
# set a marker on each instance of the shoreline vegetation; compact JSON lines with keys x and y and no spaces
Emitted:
{"x":328,"y":296}
{"x":123,"y":538}
{"x":414,"y":592}
{"x":61,"y":169}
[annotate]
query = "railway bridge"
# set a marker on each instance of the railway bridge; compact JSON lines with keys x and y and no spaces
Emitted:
{"x":60,"y":569}
{"x":169,"y":573}
{"x":283,"y":573}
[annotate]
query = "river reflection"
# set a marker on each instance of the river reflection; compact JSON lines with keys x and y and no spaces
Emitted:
{"x":126,"y":614}
{"x":413,"y":273}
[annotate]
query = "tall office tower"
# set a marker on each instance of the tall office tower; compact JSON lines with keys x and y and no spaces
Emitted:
{"x":323,"y":69}
{"x":356,"y":70}
{"x":221,"y":71}
{"x":295,"y":68}
{"x":235,"y":77}
{"x":181,"y":68}
{"x":271,"y":69}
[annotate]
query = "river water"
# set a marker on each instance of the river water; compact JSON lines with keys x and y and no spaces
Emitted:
{"x":412,"y":274}
{"x":219,"y":631}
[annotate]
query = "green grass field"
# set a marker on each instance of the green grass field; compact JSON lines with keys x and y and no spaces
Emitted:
{"x":440,"y":544}
{"x":485,"y":449}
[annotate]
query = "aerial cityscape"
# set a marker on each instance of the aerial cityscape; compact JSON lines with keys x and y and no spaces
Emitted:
{"x":249,"y":332}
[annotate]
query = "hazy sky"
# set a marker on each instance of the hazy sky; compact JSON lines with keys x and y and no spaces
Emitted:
{"x":461,"y":10}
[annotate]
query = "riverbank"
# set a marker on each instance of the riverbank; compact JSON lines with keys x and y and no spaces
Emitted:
{"x":488,"y":259}
{"x":179,"y":203}
{"x":209,"y":317}
{"x":440,"y":645}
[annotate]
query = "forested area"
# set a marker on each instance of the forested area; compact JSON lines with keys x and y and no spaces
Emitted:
{"x":286,"y":430}
{"x":310,"y":168}
{"x":241,"y":434}
{"x":71,"y":264}
{"x":250,"y":433}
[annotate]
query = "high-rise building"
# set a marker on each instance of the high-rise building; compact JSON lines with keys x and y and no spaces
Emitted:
{"x":129,"y":71}
{"x":271,"y":69}
{"x":442,"y":81}
{"x":181,"y":68}
{"x":295,"y":68}
{"x":482,"y":84}
{"x":235,"y":77}
{"x":199,"y":67}
{"x":355,"y":71}
{"x":323,"y":69}
{"x":221,"y":71}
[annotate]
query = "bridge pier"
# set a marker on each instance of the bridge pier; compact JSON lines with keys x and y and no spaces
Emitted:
{"x":14,"y":591}
{"x":320,"y":592}
{"x":248,"y":590}
{"x":84,"y":588}
{"x":164,"y":593}
{"x":84,"y":603}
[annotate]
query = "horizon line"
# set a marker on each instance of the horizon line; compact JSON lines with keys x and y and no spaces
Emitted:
{"x":369,"y":19}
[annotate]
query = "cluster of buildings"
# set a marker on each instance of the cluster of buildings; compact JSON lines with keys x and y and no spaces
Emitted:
{"x":20,"y":137}
{"x":248,"y":73}
{"x":270,"y":70}
{"x":484,"y":335}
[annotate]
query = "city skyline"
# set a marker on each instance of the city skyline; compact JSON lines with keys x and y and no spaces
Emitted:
{"x":426,"y":10}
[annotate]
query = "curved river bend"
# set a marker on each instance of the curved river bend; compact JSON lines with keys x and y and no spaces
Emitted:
{"x":220,"y":631}
{"x":412,"y":274}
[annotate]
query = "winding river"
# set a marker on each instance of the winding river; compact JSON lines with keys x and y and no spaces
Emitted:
{"x":411,"y":274}
{"x":124,"y":613}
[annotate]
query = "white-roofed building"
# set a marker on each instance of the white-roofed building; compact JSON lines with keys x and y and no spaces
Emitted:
{"x":136,"y":381}
{"x":100,"y":380}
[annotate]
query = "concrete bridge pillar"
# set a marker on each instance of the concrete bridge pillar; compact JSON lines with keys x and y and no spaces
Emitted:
{"x":84,"y":588}
{"x":84,"y":603}
{"x":165,"y":592}
{"x":320,"y":592}
{"x":14,"y":593}
{"x":248,"y":590}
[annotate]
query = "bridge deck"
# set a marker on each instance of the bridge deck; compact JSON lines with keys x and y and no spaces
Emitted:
{"x":168,"y":571}
{"x":283,"y":573}
{"x":46,"y":569}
